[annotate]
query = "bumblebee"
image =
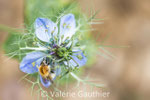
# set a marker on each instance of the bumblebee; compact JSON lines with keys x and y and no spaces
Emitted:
{"x":46,"y":71}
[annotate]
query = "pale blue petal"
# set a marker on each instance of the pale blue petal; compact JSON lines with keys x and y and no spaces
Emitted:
{"x":44,"y":28}
{"x":31,"y":61}
{"x":67,"y":26}
{"x":58,"y":71}
{"x":46,"y":83}
{"x":81,"y":62}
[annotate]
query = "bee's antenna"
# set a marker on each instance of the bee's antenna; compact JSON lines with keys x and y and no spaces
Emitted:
{"x":47,"y":61}
{"x":44,"y":61}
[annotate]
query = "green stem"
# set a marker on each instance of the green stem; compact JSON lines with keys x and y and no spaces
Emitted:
{"x":8,"y":29}
{"x":23,"y":77}
{"x":86,"y":82}
{"x":31,"y":48}
{"x":76,"y":77}
{"x":114,"y":46}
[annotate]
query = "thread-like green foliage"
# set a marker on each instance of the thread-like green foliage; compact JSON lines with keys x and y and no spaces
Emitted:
{"x":17,"y":45}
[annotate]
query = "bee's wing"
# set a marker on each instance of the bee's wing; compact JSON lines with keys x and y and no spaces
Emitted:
{"x":52,"y":77}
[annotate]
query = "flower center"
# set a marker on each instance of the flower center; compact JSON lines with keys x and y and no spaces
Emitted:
{"x":63,"y":52}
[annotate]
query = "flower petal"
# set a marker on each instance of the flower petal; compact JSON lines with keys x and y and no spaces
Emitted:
{"x":31,"y":61}
{"x":79,"y":58}
{"x":46,"y":83}
{"x":58,"y":71}
{"x":44,"y":28}
{"x":67,"y":26}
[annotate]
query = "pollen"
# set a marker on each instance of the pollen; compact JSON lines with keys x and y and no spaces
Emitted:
{"x":33,"y":64}
{"x":47,"y":26}
{"x":53,"y":31}
{"x":64,"y":25}
{"x":44,"y":71}
{"x":46,"y":30}
{"x":68,"y":26}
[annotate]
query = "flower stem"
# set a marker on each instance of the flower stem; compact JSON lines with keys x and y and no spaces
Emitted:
{"x":76,"y":77}
{"x":31,"y":48}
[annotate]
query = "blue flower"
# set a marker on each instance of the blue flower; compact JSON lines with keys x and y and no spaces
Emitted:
{"x":59,"y":49}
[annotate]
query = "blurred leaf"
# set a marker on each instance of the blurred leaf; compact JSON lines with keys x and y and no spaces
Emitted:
{"x":46,"y":8}
{"x":11,"y":45}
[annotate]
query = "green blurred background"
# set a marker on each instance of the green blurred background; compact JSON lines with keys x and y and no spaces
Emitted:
{"x":127,"y":76}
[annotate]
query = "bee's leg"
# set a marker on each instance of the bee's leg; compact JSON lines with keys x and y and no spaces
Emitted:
{"x":50,"y":78}
{"x":44,"y":61}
